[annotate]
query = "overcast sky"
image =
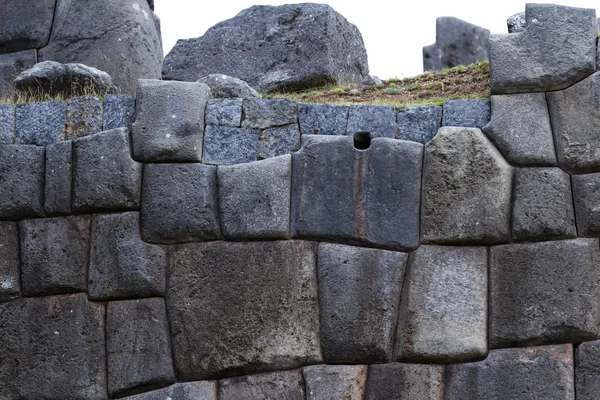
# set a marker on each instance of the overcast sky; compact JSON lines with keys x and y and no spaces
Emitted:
{"x":394,"y":31}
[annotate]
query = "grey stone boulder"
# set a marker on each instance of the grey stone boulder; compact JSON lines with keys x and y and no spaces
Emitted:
{"x":468,"y":186}
{"x":52,"y":78}
{"x":322,"y":119}
{"x":53,"y":347}
{"x":295,"y":46}
{"x":201,"y":390}
{"x":224,"y":86}
{"x":542,"y":205}
{"x":10,"y":276}
{"x":59,"y":178}
{"x":398,"y":381}
{"x":138,"y":348}
{"x":11,"y":65}
{"x":587,"y":370}
{"x":169,"y":123}
{"x":443,"y":311}
{"x":180,"y":203}
{"x":7,"y":123}
{"x":334,"y":382}
{"x":575,"y":118}
{"x":258,"y":311}
{"x":516,"y":374}
{"x":516,"y":23}
{"x":457,"y":42}
{"x":25,"y":24}
{"x":105,"y":177}
{"x":224,"y":112}
{"x":266,"y":113}
{"x":370,"y":82}
{"x":544,"y":293}
{"x":287,"y":385}
{"x":121,"y":264}
{"x":118,"y":111}
{"x":379,"y":121}
{"x":54,"y":255}
{"x":260,"y":210}
{"x":419,"y":124}
{"x":556,"y":50}
{"x":358,"y":328}
{"x":41,"y":123}
{"x":22,"y":183}
{"x":520,"y":128}
{"x":468,"y":113}
{"x":84,"y":117}
{"x":371,"y":196}
{"x":224,"y":145}
{"x":120,"y":37}
{"x":586,"y":194}
{"x":278,"y":141}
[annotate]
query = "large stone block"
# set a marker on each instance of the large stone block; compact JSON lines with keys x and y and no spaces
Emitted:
{"x":7,"y":123}
{"x":419,"y":124}
{"x":260,"y":210}
{"x":84,"y":117}
{"x":202,"y":390}
{"x":343,"y":194}
{"x":334,"y":382}
{"x":587,"y":370}
{"x":516,"y":374}
{"x":556,"y":49}
{"x":180,"y":203}
{"x":224,"y":112}
{"x":443,"y":311}
{"x":54,"y":255}
{"x":105,"y":177}
{"x":10,"y":279}
{"x":237,"y":308}
{"x":278,"y":141}
{"x":53,"y":348}
{"x":287,"y":385}
{"x":224,"y":145}
{"x":405,"y":382}
{"x":575,"y":117}
{"x":468,"y":189}
{"x":41,"y":123}
{"x":466,"y":113}
{"x":224,"y":86}
{"x":322,"y":119}
{"x":138,"y":347}
{"x":359,"y":294}
{"x":121,"y":264}
{"x":11,"y":65}
{"x":169,"y":122}
{"x":22,"y":182}
{"x":586,"y":194}
{"x":118,"y":111}
{"x":59,"y":178}
{"x":266,"y":113}
{"x":516,"y":23}
{"x":26,"y":24}
{"x":520,"y":128}
{"x":378,"y":121}
{"x":544,"y":293}
{"x":542,"y":205}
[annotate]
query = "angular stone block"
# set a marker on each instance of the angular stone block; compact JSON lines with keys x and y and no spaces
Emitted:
{"x":516,"y":374}
{"x":520,"y":128}
{"x":11,"y":65}
{"x":466,"y":113}
{"x":202,"y":390}
{"x":555,"y":50}
{"x":138,"y":347}
{"x":7,"y":124}
{"x":121,"y":264}
{"x":118,"y":111}
{"x":575,"y":117}
{"x":41,"y":123}
{"x":544,"y":293}
{"x":242,"y":307}
{"x":52,"y":347}
{"x":84,"y":117}
{"x":378,"y":121}
{"x":443,"y":311}
{"x":468,"y":189}
{"x":358,"y":328}
{"x":224,"y":112}
{"x":266,"y":113}
{"x":322,"y":119}
{"x":105,"y":177}
{"x":224,"y":145}
{"x":180,"y":203}
{"x":587,"y":370}
{"x":278,"y":141}
{"x":54,"y":255}
{"x":10,"y":285}
{"x":419,"y":124}
{"x":260,"y":210}
{"x":22,"y":183}
{"x":405,"y":382}
{"x":586,"y":194}
{"x":287,"y":385}
{"x":26,"y":24}
{"x":542,"y":205}
{"x":343,"y":194}
{"x":169,"y":122}
{"x":334,"y":382}
{"x":59,"y":178}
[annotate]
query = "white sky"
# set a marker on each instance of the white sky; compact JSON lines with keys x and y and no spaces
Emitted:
{"x":394,"y":31}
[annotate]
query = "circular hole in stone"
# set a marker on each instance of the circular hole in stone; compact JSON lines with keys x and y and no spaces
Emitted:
{"x":362,"y":140}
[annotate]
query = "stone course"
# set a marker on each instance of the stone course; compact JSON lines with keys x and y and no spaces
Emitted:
{"x":587,"y":368}
{"x":41,"y":123}
{"x":466,"y":113}
{"x":287,"y":385}
{"x":586,"y":193}
{"x":398,"y":381}
{"x":334,"y":382}
{"x":84,"y":117}
{"x":419,"y":124}
{"x":59,"y":178}
{"x":322,"y":119}
{"x":7,"y":124}
{"x":378,"y":121}
{"x":118,"y":111}
{"x":10,"y":280}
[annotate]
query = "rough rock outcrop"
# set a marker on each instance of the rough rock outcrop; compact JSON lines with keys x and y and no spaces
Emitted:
{"x":516,"y":23}
{"x":224,"y":86}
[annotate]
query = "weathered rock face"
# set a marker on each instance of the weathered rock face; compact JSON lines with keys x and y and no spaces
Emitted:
{"x":26,"y":24}
{"x":466,"y":113}
{"x":587,"y":370}
{"x":120,"y":37}
{"x":294,"y":46}
{"x":419,"y":124}
{"x":224,"y":86}
{"x":516,"y":23}
{"x":457,"y":42}
{"x":201,"y":390}
{"x":10,"y":286}
{"x":334,"y":382}
{"x":41,"y":123}
{"x":11,"y":65}
{"x":405,"y":382}
{"x":586,"y":193}
{"x":287,"y":385}
{"x":59,"y":178}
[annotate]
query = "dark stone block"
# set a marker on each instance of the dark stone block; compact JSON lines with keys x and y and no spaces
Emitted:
{"x":466,"y":113}
{"x":41,"y":123}
{"x":7,"y":123}
{"x":11,"y":65}
{"x":278,"y":141}
{"x":378,"y":121}
{"x":59,"y":178}
{"x":202,"y":390}
{"x":419,"y":124}
{"x":224,"y":145}
{"x":334,"y":382}
{"x":26,"y":24}
{"x":587,"y":370}
{"x":84,"y":117}
{"x":287,"y":385}
{"x":224,"y":112}
{"x":405,"y":382}
{"x":10,"y":285}
{"x":586,"y":194}
{"x":265,"y":113}
{"x":322,"y":119}
{"x":118,"y":111}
